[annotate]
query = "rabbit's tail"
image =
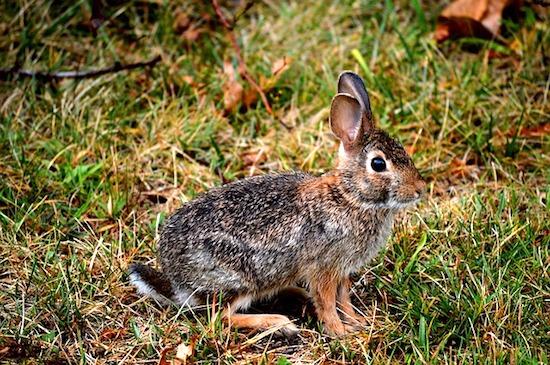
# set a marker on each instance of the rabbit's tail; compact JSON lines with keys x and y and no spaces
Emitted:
{"x":155,"y":284}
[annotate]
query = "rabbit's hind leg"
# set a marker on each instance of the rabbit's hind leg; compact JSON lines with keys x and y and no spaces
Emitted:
{"x":257,"y":321}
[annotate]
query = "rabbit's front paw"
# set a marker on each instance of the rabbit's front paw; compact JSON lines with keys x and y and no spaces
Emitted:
{"x":335,"y":328}
{"x":353,"y":326}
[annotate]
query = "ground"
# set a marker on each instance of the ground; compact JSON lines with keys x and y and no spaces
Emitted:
{"x":90,"y":169}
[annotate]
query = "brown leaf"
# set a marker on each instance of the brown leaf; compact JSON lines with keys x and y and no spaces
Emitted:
{"x":461,"y":168}
{"x":540,"y":130}
{"x":183,"y":352}
{"x":410,"y":150}
{"x":235,"y":94}
{"x":492,"y":17}
{"x":253,"y":157}
{"x":474,"y":9}
{"x":278,"y":68}
{"x":192,"y":33}
{"x":162,"y":360}
{"x":281,"y":65}
{"x":471,"y":18}
{"x":250,"y":96}
{"x":112,"y":333}
{"x":189,"y":80}
{"x":182,"y":22}
{"x":233,"y":90}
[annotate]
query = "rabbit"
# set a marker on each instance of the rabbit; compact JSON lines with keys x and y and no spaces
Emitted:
{"x":252,"y":238}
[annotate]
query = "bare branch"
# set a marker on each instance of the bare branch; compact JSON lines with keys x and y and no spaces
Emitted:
{"x":50,"y":76}
{"x":249,"y":4}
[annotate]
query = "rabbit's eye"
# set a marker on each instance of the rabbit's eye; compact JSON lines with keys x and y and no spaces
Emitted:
{"x":378,"y":164}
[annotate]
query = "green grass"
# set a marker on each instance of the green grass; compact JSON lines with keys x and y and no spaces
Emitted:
{"x":90,"y":169}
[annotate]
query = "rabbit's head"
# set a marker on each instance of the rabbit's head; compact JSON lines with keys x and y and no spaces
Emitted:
{"x":376,"y":170}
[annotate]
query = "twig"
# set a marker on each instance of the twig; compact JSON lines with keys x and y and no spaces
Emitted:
{"x":242,"y":65}
{"x":249,"y":4}
{"x":49,"y":76}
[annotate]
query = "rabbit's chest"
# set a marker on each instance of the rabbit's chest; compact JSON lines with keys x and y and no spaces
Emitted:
{"x":360,"y":242}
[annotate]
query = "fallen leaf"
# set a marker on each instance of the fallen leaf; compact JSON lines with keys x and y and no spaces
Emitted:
{"x":278,"y":68}
{"x":233,"y":90}
{"x":280,"y":65}
{"x":410,"y":150}
{"x":253,"y":157}
{"x":536,"y":131}
{"x":207,"y":17}
{"x":492,"y":17}
{"x":460,"y":168}
{"x":188,"y":80}
{"x":192,"y":33}
{"x":162,"y":360}
{"x":112,"y":333}
{"x":235,"y":94}
{"x":181,"y":22}
{"x":250,"y":96}
{"x":472,"y":18}
{"x":183,"y":352}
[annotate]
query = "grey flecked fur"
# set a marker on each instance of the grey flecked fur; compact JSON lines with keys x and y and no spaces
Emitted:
{"x":259,"y":235}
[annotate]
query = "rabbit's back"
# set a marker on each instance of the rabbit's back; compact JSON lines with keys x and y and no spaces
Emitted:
{"x":240,"y":237}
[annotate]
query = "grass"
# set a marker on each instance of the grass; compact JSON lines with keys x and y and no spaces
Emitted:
{"x":89,"y":170}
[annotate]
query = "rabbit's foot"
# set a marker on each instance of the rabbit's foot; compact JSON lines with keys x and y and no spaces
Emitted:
{"x":354,"y":319}
{"x":335,"y":328}
{"x":355,"y":325}
{"x":280,"y":323}
{"x":289,"y":330}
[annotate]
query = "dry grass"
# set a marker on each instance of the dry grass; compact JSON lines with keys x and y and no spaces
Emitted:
{"x":89,"y":170}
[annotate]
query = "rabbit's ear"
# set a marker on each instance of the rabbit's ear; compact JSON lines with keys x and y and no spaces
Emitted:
{"x":346,"y":117}
{"x":351,"y":83}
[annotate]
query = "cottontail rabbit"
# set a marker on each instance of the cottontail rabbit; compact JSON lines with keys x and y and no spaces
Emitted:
{"x":252,"y":238}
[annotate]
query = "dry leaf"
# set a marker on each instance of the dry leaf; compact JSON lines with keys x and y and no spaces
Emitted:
{"x":182,"y":22}
{"x":189,"y":80}
{"x":280,"y":66}
{"x":253,"y":157}
{"x":491,"y":20}
{"x":410,"y":150}
{"x":235,"y":94}
{"x":536,"y":131}
{"x":192,"y":33}
{"x":233,"y":90}
{"x":461,"y":168}
{"x":250,"y":97}
{"x":162,"y":360}
{"x":188,"y":26}
{"x":112,"y":333}
{"x":471,"y":18}
{"x":183,"y":352}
